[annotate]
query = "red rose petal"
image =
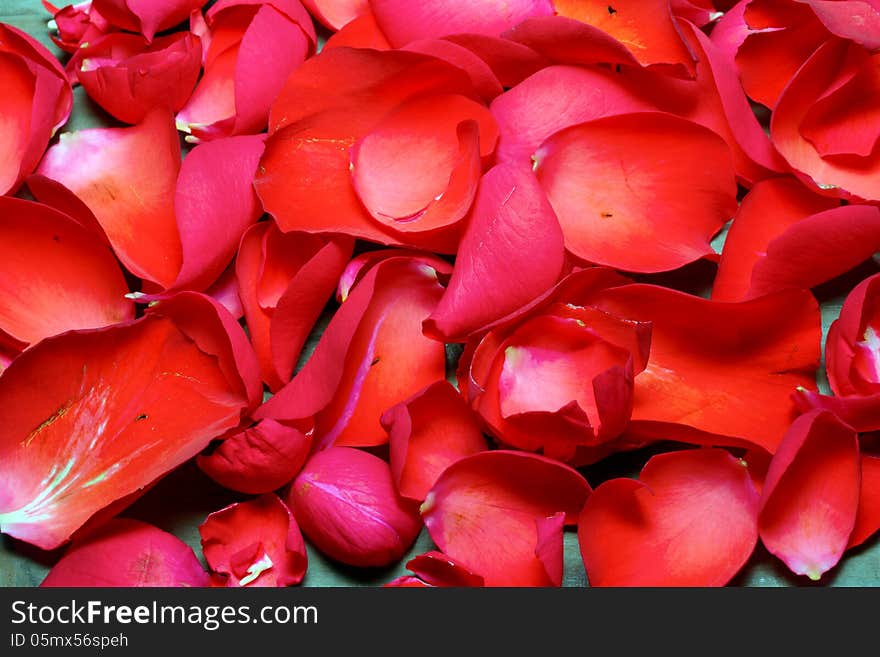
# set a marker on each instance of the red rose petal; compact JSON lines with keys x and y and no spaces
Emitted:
{"x":437,"y":569}
{"x":511,"y":251}
{"x":429,"y":432}
{"x":868,"y":514}
{"x":361,"y":32}
{"x":690,"y":520}
{"x":255,"y":543}
{"x":509,"y":61}
{"x":128,"y":553}
{"x":258,"y":460}
{"x":337,"y":13}
{"x":485,"y":82}
{"x":858,"y":20}
{"x":674,"y":190}
{"x":57,"y":196}
{"x":94,"y":416}
{"x":56,"y":275}
{"x":485,"y":510}
{"x":811,"y":494}
{"x":861,"y":412}
{"x":146,"y":16}
{"x":348,"y":507}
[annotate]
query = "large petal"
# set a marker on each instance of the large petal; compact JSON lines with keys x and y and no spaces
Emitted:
{"x":811,"y":495}
{"x":485,"y":509}
{"x":146,"y":16}
{"x":858,"y":20}
{"x":690,"y":520}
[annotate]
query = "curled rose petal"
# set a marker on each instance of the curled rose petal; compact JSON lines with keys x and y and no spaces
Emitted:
{"x":257,"y":460}
{"x":372,"y":356}
{"x":811,"y":495}
{"x":348,"y":507}
{"x":428,"y":433}
{"x":335,"y":14}
{"x":77,"y":24}
{"x":437,"y":569}
{"x":616,"y":181}
{"x":689,"y":520}
{"x":511,"y":251}
{"x":57,"y":275}
{"x":94,"y":416}
{"x":145,"y":16}
{"x":485,"y":511}
{"x":128,"y":77}
{"x":255,"y":543}
{"x":128,"y":553}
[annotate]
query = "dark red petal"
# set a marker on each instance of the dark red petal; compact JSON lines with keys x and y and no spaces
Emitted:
{"x":811,"y":494}
{"x":255,"y":543}
{"x":94,"y":416}
{"x":131,"y":197}
{"x":403,"y":21}
{"x":128,"y":553}
{"x":639,"y":192}
{"x":690,"y":520}
{"x":427,"y":433}
{"x":56,"y":275}
{"x":868,"y":515}
{"x":485,"y":510}
{"x":437,"y":569}
{"x":511,"y":251}
{"x":861,"y":412}
{"x":347,"y":506}
{"x":258,"y":460}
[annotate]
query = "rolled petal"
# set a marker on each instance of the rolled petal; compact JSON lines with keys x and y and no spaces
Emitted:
{"x":689,"y":520}
{"x":146,"y":16}
{"x":437,"y":569}
{"x":675,"y":190}
{"x":94,"y":416}
{"x":511,"y":251}
{"x":485,"y":511}
{"x":811,"y":494}
{"x":428,"y":433}
{"x":255,"y":543}
{"x":128,"y":553}
{"x":348,"y":507}
{"x":77,"y":24}
{"x":56,"y":276}
{"x":129,"y":196}
{"x":257,"y":460}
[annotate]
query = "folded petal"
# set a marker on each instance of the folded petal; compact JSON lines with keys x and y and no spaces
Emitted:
{"x":128,"y":553}
{"x":94,"y":416}
{"x":437,"y":569}
{"x":337,"y":13}
{"x":868,"y":515}
{"x":655,"y":177}
{"x":858,"y":20}
{"x":257,"y":460}
{"x":689,"y":520}
{"x":509,"y":61}
{"x":428,"y":433}
{"x":484,"y":512}
{"x":56,"y":276}
{"x":511,"y":251}
{"x":146,"y":16}
{"x":811,"y":495}
{"x":360,"y":32}
{"x":483,"y":78}
{"x":347,"y":505}
{"x":255,"y":543}
{"x":129,"y":196}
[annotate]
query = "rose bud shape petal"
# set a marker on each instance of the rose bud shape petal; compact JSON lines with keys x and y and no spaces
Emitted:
{"x":348,"y":507}
{"x":262,"y":42}
{"x":257,"y":460}
{"x":57,"y":275}
{"x":128,"y":77}
{"x":428,"y":433}
{"x":372,"y":356}
{"x":255,"y":543}
{"x":94,"y":416}
{"x":128,"y":553}
{"x":285,"y":280}
{"x":76,"y":24}
{"x":811,"y":494}
{"x":403,"y":22}
{"x":335,"y":14}
{"x":488,"y":513}
{"x":145,"y":17}
{"x":689,"y":520}
{"x":36,"y":101}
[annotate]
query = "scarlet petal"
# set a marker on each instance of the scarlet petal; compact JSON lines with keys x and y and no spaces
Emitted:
{"x":868,"y":516}
{"x":429,"y":432}
{"x":403,"y":22}
{"x":483,"y":78}
{"x":361,"y":32}
{"x":858,"y":20}
{"x":337,"y":13}
{"x":509,"y":61}
{"x":94,"y":416}
{"x":690,"y":520}
{"x":512,"y":251}
{"x":484,"y":512}
{"x":258,"y":460}
{"x":675,"y":190}
{"x":56,"y":275}
{"x":128,"y":553}
{"x":255,"y":543}
{"x":146,"y":16}
{"x":811,"y":494}
{"x":437,"y":569}
{"x":129,"y":196}
{"x":347,"y":505}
